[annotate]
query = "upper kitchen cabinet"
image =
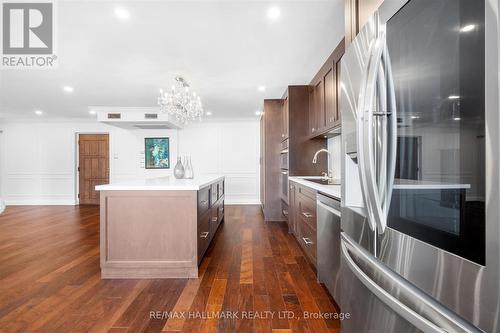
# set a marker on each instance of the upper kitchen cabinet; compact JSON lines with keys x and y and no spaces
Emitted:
{"x":357,"y":13}
{"x":316,"y":107}
{"x":324,"y":92}
{"x":300,"y":148}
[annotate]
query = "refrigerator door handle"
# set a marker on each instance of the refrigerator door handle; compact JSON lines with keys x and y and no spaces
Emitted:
{"x":360,"y":154}
{"x":392,"y":135}
{"x":366,"y":156}
{"x":379,"y":81}
{"x":433,"y":309}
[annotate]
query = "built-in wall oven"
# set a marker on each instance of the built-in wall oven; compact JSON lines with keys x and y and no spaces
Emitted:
{"x":420,"y":195}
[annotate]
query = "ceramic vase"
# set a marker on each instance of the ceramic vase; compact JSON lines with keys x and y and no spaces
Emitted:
{"x":188,"y":171}
{"x":179,"y":169}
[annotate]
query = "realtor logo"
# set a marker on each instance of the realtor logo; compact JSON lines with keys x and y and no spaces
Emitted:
{"x":28,"y":35}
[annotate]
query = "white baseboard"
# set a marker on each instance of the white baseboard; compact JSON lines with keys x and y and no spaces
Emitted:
{"x":42,"y":202}
{"x":72,"y":202}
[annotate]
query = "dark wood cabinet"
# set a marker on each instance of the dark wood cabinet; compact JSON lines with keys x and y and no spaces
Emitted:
{"x":271,"y":138}
{"x":210,"y":215}
{"x":203,"y":200}
{"x":286,"y":148}
{"x":324,"y":95}
{"x":331,"y":111}
{"x":317,"y":108}
{"x":357,"y":13}
{"x":303,"y":221}
{"x":203,"y":234}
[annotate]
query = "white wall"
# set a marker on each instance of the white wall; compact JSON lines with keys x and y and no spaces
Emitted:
{"x":228,"y":148}
{"x":334,"y":148}
{"x":38,"y":158}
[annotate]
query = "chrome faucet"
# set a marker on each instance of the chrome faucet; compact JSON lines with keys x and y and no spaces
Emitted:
{"x":315,"y":158}
{"x":326,"y":175}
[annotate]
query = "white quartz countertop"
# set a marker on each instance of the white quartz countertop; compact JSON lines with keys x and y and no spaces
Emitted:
{"x":169,"y":183}
{"x":329,"y":190}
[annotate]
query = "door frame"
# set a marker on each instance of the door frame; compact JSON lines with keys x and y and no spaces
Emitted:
{"x":419,"y":151}
{"x":77,"y":162}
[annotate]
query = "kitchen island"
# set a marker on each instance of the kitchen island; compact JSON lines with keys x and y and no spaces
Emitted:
{"x":158,"y":228}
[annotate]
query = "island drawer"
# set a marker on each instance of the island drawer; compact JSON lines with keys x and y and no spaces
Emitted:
{"x":204,"y":235}
{"x":221,"y":189}
{"x":203,"y":200}
{"x":215,"y":193}
{"x":214,"y":220}
{"x":221,"y":211}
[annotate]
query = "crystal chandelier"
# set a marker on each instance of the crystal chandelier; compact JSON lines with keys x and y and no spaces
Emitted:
{"x":180,"y":102}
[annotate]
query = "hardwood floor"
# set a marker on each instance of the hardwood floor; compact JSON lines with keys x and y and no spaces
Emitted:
{"x":50,"y":280}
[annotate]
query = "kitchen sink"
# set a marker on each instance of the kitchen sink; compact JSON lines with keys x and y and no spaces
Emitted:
{"x":323,"y":181}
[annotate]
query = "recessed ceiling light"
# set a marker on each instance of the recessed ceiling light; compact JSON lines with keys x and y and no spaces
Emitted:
{"x":467,"y":28}
{"x":38,"y":112}
{"x":273,"y":13}
{"x":453,"y":97}
{"x":457,"y":118}
{"x":208,"y":113}
{"x":68,"y":89}
{"x":261,"y":88}
{"x":122,"y":13}
{"x":92,"y":112}
{"x":414,"y":117}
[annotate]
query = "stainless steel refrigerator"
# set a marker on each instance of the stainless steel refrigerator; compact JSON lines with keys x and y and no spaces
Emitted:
{"x":420,"y":177}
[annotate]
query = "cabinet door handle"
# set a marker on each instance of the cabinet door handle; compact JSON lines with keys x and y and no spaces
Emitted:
{"x":307,"y":215}
{"x":307,"y":241}
{"x":203,"y":202}
{"x":285,"y":212}
{"x":204,"y":234}
{"x":313,"y":129}
{"x":214,"y":219}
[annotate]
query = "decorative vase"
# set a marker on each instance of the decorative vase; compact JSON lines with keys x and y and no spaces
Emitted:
{"x":179,"y":169}
{"x":188,"y":172}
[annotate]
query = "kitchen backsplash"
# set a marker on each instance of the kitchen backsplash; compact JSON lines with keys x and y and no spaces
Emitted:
{"x":334,"y":147}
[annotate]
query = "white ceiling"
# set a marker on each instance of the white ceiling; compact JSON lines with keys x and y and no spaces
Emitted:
{"x":225,"y":49}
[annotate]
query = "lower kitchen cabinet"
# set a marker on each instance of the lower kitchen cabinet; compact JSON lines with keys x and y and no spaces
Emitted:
{"x":302,"y":219}
{"x":210,"y":215}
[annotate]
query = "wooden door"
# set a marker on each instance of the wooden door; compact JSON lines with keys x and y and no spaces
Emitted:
{"x":93,"y":158}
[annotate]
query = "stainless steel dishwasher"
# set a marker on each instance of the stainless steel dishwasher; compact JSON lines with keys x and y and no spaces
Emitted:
{"x":328,"y":229}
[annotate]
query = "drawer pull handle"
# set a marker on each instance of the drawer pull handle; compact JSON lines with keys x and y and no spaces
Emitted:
{"x":204,"y":234}
{"x":214,"y":219}
{"x":307,"y":215}
{"x":307,"y":241}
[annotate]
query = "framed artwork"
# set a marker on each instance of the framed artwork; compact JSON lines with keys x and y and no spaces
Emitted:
{"x":157,"y":153}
